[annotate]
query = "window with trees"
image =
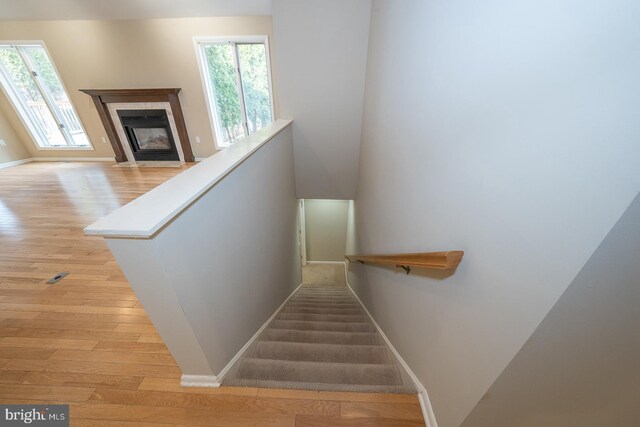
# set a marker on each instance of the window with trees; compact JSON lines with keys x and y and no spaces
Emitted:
{"x":237,"y":80}
{"x":31,"y":82}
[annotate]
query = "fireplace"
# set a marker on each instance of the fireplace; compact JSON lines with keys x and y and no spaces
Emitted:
{"x":149,"y":134}
{"x":159,"y":137}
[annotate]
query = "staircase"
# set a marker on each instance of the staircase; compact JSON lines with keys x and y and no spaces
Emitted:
{"x":321,"y":340}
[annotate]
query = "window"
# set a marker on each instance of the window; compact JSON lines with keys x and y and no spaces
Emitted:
{"x":32,"y":84}
{"x":237,"y":81}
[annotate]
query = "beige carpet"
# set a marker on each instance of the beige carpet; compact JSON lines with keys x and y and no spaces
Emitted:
{"x":321,"y":340}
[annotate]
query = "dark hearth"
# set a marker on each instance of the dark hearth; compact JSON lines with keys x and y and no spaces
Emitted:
{"x":149,"y":134}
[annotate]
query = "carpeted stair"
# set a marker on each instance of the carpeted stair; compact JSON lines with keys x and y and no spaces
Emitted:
{"x":321,"y":340}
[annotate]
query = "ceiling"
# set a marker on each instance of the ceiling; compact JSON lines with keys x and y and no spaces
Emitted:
{"x":13,"y":10}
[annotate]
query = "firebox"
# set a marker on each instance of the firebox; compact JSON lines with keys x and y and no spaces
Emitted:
{"x":149,"y":134}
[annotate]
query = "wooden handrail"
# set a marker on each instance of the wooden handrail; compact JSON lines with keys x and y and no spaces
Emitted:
{"x":439,"y":260}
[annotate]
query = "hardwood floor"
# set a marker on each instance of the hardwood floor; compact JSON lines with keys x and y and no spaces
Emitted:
{"x":87,"y":341}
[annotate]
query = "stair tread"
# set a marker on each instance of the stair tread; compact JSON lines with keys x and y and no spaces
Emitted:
{"x":355,"y":388}
{"x":324,"y":303}
{"x":320,"y":352}
{"x":329,"y":337}
{"x":323,"y":310}
{"x":322,"y":317}
{"x":320,"y":372}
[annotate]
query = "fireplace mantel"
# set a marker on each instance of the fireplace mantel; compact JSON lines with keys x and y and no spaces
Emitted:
{"x":102,"y":97}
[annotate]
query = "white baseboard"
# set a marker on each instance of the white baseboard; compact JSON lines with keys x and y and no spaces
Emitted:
{"x":199,"y":159}
{"x":325,"y":262}
{"x":238,"y":355}
{"x":14,"y":163}
{"x":423,"y":396}
{"x":57,"y":159}
{"x":73,"y":159}
{"x":199,"y":381}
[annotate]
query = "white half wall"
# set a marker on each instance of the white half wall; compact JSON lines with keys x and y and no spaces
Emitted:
{"x":508,"y":130}
{"x":219,"y":268}
{"x":325,"y":229}
{"x":321,"y":50}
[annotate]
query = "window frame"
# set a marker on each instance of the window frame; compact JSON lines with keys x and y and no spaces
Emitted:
{"x":199,"y":43}
{"x":25,"y":116}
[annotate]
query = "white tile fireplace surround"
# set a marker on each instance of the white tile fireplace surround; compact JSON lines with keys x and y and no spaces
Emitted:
{"x":113,"y":112}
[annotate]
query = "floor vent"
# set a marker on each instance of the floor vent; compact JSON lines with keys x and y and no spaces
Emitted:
{"x":57,"y":277}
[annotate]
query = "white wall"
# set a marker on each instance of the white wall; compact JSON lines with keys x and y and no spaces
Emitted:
{"x":508,"y":130}
{"x":214,"y":274}
{"x":126,"y":9}
{"x":325,"y":229}
{"x":321,"y":57}
{"x":580,"y":367}
{"x":13,"y":149}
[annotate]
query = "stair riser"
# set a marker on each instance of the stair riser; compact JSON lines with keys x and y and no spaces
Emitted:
{"x":322,"y":326}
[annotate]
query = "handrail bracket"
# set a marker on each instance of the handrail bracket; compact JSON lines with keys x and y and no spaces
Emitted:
{"x":405,"y":268}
